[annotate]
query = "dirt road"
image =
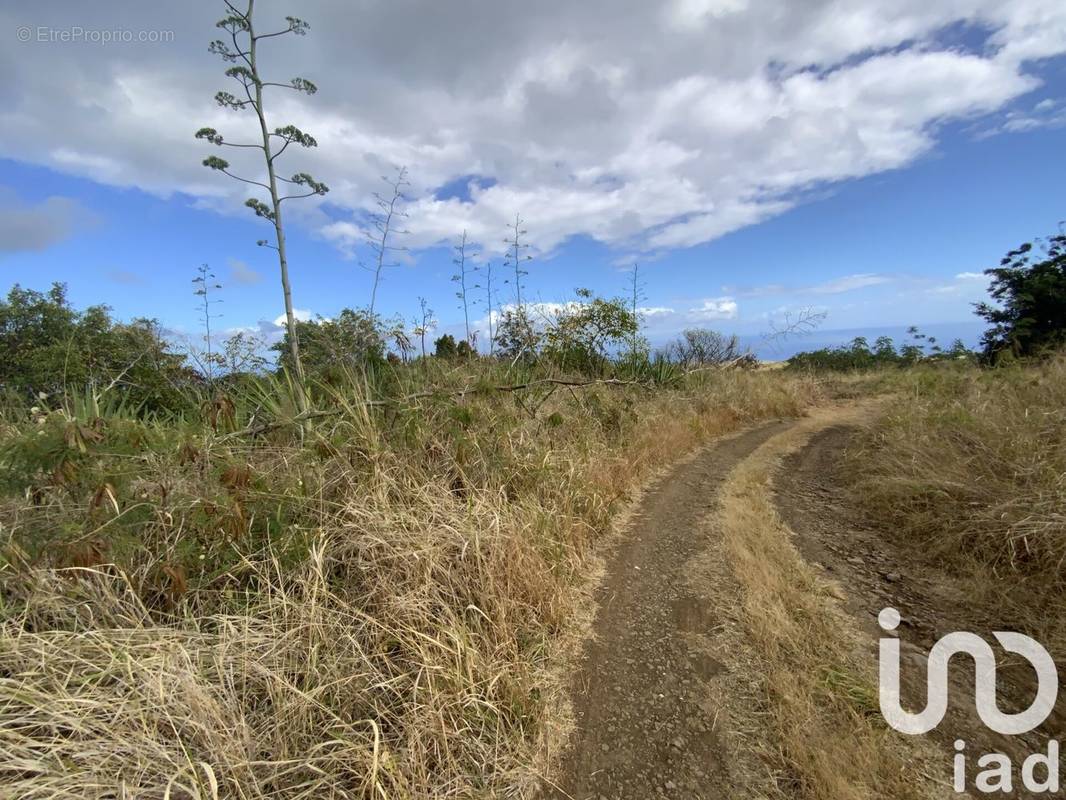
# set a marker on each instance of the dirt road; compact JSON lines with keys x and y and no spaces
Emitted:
{"x":648,"y":722}
{"x":668,"y":699}
{"x":734,"y":649}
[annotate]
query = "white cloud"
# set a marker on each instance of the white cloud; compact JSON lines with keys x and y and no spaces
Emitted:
{"x":715,"y":308}
{"x":1047,"y":113}
{"x":965,"y":284}
{"x":301,"y":314}
{"x":593,"y":132}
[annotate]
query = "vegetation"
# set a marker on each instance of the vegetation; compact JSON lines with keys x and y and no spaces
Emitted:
{"x":362,"y":605}
{"x":242,"y":51}
{"x":859,"y":355}
{"x":969,"y":464}
{"x":48,"y":346}
{"x":382,"y":240}
{"x":347,"y":574}
{"x":701,"y":347}
{"x":1028,"y":317}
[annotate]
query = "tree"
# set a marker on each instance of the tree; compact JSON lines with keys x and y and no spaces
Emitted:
{"x":490,"y":305}
{"x":638,"y":344}
{"x":204,"y":282}
{"x":47,"y":346}
{"x":959,"y":350}
{"x":1029,"y":292}
{"x":884,"y":349}
{"x":460,"y":277}
{"x":584,"y":334}
{"x":242,"y":52}
{"x":350,"y":340}
{"x":517,"y":338}
{"x":241,"y":355}
{"x":700,"y":347}
{"x":389,"y":210}
{"x":516,"y":256}
{"x":424,"y":323}
{"x":445,"y":347}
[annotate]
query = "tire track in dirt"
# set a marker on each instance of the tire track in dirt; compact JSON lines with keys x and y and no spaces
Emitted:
{"x":874,"y":569}
{"x":647,"y":724}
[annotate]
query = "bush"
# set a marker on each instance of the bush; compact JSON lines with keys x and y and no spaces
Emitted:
{"x":702,"y":347}
{"x":352,"y":339}
{"x":859,"y":356}
{"x":48,"y":347}
{"x":445,"y":348}
{"x":585,"y":334}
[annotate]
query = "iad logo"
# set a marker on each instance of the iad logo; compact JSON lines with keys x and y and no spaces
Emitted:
{"x":985,"y":681}
{"x":998,"y":776}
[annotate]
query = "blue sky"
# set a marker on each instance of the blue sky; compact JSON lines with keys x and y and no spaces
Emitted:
{"x":744,"y":212}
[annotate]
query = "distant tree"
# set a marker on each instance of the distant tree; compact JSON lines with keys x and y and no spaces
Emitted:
{"x":884,"y":349}
{"x":913,"y":351}
{"x":352,"y":339}
{"x":464,"y":350}
{"x":445,"y":348}
{"x":1028,"y":288}
{"x":490,"y":304}
{"x":424,"y":323}
{"x":242,"y":354}
{"x":517,"y":338}
{"x":583,"y":335}
{"x":638,"y":344}
{"x":959,"y":350}
{"x":243,"y":52}
{"x":698,"y":347}
{"x":636,"y":290}
{"x":390,"y":212}
{"x":460,"y":278}
{"x":203,"y":284}
{"x":516,"y":257}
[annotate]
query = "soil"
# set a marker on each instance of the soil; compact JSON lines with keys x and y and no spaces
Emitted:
{"x":647,"y":715}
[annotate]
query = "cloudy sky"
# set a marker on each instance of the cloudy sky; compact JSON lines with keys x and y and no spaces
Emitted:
{"x":753,"y":156}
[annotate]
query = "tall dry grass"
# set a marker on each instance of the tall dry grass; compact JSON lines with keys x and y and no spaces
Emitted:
{"x":403,"y":655}
{"x":970,"y":465}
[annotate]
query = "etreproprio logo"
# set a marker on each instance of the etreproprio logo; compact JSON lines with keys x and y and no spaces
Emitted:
{"x":997,"y":773}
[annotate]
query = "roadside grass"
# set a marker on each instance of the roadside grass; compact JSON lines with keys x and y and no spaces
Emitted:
{"x":818,"y":684}
{"x":361,"y":605}
{"x":969,"y":466}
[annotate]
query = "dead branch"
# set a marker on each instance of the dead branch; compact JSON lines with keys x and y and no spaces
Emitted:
{"x":438,"y":394}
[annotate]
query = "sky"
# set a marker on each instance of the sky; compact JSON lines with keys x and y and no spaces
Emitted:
{"x":756,"y":158}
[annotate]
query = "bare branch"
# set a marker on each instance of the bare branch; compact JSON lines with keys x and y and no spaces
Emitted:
{"x":798,"y":323}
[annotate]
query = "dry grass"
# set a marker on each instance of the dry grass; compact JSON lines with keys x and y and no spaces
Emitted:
{"x":969,"y":470}
{"x":974,"y":463}
{"x":404,"y":656}
{"x":818,"y":682}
